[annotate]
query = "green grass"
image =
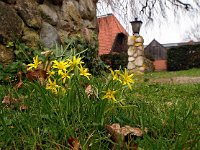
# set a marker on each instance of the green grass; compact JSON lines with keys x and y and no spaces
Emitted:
{"x":168,"y":74}
{"x":171,"y":113}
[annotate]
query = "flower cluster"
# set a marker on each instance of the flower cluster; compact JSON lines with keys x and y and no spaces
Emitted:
{"x":61,"y":71}
{"x":60,"y":74}
{"x":121,"y":77}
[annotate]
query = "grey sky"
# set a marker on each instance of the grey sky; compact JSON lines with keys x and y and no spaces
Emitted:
{"x":166,"y":30}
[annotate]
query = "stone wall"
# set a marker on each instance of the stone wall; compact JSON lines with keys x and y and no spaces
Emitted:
{"x":135,"y":54}
{"x":137,"y":62}
{"x":43,"y":21}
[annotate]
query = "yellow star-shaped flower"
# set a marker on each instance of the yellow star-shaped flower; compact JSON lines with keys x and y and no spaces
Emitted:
{"x":64,"y":76}
{"x":50,"y":73}
{"x":52,"y":85}
{"x":35,"y":63}
{"x":127,"y":79}
{"x":110,"y":95}
{"x":61,"y":66}
{"x":84,"y":72}
{"x":75,"y":62}
{"x":116,"y":75}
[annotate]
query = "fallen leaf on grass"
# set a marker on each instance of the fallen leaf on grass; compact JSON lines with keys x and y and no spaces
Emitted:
{"x":135,"y":131}
{"x":38,"y":74}
{"x":124,"y":135}
{"x":74,"y":144}
{"x":89,"y":91}
{"x":9,"y":100}
{"x":23,"y":107}
{"x":114,"y":130}
{"x":6,"y":100}
{"x":169,"y":104}
{"x":20,"y":83}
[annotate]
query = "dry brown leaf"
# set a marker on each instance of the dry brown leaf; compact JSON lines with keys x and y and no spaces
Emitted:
{"x":20,"y":83}
{"x":135,"y":131}
{"x":89,"y":91}
{"x":169,"y":104}
{"x":9,"y":100}
{"x":74,"y":144}
{"x":23,"y":107}
{"x":6,"y":100}
{"x":124,"y":135}
{"x":38,"y":74}
{"x":114,"y":130}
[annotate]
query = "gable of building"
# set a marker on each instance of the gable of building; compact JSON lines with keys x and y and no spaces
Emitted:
{"x":110,"y":32}
{"x":155,"y":51}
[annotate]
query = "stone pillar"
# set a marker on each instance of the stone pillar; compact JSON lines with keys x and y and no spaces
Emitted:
{"x":135,"y":54}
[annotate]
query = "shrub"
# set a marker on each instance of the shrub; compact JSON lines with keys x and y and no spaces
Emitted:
{"x":115,"y":61}
{"x":149,"y":67}
{"x":183,"y":57}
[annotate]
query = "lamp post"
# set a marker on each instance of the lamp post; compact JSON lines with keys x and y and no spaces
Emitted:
{"x":136,"y":25}
{"x":136,"y":48}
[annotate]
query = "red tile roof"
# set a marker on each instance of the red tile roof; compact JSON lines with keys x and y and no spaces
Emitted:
{"x":109,"y":27}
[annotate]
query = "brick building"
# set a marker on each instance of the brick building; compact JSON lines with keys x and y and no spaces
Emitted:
{"x":158,"y":52}
{"x":112,"y":36}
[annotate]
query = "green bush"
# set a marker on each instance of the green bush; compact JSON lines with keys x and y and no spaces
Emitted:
{"x":115,"y":61}
{"x":183,"y":57}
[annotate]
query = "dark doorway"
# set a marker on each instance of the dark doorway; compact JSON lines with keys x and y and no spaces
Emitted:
{"x":120,"y":44}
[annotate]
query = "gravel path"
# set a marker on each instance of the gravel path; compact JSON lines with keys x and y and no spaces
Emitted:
{"x":178,"y":80}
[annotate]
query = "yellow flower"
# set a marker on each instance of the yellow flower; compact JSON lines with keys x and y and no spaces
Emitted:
{"x":52,"y":86}
{"x":50,"y":73}
{"x":116,"y":75}
{"x":35,"y":63}
{"x":84,"y":72}
{"x":127,"y":79}
{"x":75,"y":62}
{"x":64,"y":76}
{"x":61,"y":66}
{"x":110,"y":95}
{"x":63,"y":90}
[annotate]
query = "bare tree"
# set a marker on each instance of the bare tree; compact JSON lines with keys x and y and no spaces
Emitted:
{"x":193,"y":33}
{"x":148,"y":9}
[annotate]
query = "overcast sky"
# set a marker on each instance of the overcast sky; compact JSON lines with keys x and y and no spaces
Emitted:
{"x":170,"y":30}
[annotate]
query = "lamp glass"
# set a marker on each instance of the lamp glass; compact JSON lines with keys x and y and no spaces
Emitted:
{"x":136,"y":25}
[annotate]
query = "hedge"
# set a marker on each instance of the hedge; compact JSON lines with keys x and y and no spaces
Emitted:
{"x":183,"y":57}
{"x":115,"y":61}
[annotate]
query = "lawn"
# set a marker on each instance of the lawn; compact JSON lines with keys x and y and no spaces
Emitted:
{"x":170,"y":114}
{"x":195,"y":72}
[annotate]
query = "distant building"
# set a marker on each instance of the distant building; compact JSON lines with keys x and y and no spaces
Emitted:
{"x":155,"y":51}
{"x":158,"y":52}
{"x":112,"y":36}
